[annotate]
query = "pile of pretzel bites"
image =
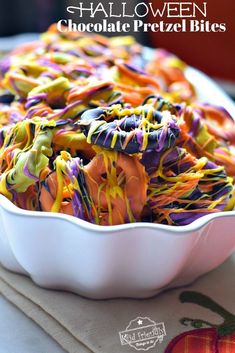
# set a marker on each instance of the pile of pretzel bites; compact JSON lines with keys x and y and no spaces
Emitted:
{"x":91,"y":127}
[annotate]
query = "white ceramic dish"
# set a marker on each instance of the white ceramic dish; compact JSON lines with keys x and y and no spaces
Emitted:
{"x":134,"y":260}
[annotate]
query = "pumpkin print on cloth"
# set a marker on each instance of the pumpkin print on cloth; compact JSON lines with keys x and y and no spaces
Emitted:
{"x":215,"y":339}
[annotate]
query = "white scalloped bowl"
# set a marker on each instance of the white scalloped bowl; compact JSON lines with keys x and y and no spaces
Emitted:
{"x":134,"y":260}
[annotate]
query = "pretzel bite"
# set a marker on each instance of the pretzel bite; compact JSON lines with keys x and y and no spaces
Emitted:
{"x":209,"y":131}
{"x":117,"y":185}
{"x":129,"y":130}
{"x":183,"y":188}
{"x":63,"y":188}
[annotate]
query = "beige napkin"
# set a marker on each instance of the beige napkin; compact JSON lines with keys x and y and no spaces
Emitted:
{"x":81,"y":325}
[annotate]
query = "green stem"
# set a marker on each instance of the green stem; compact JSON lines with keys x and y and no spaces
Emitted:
{"x":206,"y":302}
{"x":197,"y":323}
{"x":226,"y":328}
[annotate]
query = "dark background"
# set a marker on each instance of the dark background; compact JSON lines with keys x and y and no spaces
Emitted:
{"x":18,"y":16}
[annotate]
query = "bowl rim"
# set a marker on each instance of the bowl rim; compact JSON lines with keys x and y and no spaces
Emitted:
{"x":196,"y":225}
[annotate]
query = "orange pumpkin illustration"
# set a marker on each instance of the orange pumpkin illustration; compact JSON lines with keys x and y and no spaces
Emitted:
{"x":215,"y":339}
